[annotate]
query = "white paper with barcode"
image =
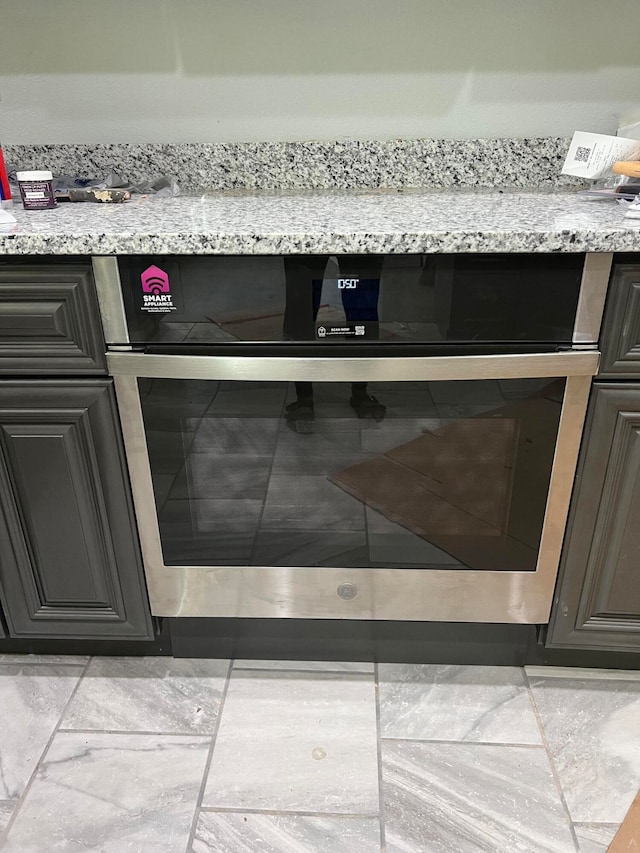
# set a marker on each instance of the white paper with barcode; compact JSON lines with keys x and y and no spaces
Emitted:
{"x":591,"y":155}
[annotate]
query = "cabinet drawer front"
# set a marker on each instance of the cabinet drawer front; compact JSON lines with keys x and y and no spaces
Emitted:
{"x":69,"y":555}
{"x":49,"y":321}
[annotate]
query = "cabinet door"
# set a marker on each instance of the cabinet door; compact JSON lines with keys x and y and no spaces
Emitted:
{"x":597,"y":602}
{"x":69,"y":556}
{"x":49,"y":321}
{"x":621,"y":325}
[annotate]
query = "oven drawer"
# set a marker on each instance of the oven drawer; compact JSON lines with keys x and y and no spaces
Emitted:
{"x":49,"y":321}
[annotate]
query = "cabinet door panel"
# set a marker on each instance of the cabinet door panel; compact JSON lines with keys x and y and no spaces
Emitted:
{"x":69,"y":560}
{"x":597,"y":603}
{"x":49,"y":321}
{"x":621,"y":325}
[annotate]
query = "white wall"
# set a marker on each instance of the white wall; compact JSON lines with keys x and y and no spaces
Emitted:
{"x":242,"y":70}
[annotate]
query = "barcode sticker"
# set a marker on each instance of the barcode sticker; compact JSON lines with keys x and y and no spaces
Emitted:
{"x":582,"y":154}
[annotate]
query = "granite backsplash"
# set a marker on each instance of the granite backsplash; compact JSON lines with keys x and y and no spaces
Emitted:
{"x":481,"y":163}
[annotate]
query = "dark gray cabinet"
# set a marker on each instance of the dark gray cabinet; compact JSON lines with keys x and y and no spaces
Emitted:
{"x":621,"y":325}
{"x":49,"y":321}
{"x":597,"y":602}
{"x":69,"y":558}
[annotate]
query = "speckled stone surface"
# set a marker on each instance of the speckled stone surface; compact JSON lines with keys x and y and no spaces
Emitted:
{"x":526,"y":163}
{"x":339,"y":221}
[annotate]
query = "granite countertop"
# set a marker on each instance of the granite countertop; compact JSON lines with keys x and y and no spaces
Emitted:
{"x":324,"y":221}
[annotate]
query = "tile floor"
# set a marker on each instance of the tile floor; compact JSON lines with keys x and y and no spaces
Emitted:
{"x":196,"y":756}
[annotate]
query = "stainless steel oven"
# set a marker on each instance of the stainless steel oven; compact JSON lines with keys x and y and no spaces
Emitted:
{"x":350,"y":437}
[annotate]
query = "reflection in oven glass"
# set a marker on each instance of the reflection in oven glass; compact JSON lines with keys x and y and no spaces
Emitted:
{"x":450,"y":475}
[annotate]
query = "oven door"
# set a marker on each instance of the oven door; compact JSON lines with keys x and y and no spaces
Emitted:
{"x":422,"y":488}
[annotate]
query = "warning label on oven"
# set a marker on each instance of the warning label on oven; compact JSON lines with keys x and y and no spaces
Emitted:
{"x":156,"y":291}
{"x":349,"y":330}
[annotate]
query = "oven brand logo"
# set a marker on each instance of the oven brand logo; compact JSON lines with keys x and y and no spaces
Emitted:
{"x":156,"y":291}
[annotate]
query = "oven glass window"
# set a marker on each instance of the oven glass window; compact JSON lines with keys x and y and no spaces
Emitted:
{"x":440,"y":475}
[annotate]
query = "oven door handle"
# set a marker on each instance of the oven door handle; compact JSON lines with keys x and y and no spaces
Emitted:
{"x":319,"y":369}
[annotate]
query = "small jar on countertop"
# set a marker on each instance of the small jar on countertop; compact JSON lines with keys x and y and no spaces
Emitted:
{"x":36,"y":190}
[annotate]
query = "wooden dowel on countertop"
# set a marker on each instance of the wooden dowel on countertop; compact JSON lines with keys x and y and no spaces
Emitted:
{"x":627,"y":838}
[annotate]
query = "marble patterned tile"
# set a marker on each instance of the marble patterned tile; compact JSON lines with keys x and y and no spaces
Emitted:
{"x":314,"y":547}
{"x":471,"y":798}
{"x":296,"y":742}
{"x":394,"y":544}
{"x":113,"y":793}
{"x":247,"y":833}
{"x":181,"y":546}
{"x":329,"y":439}
{"x":306,"y":464}
{"x":6,"y":810}
{"x":248,"y":435}
{"x":306,"y":665}
{"x":235,"y":515}
{"x":593,"y":731}
{"x":334,"y":422}
{"x":392,"y":433}
{"x":491,"y":703}
{"x":32,"y":699}
{"x":149,"y":695}
{"x":595,"y":837}
{"x":303,"y":502}
{"x":302,"y":489}
{"x":232,"y":475}
{"x":266,"y":402}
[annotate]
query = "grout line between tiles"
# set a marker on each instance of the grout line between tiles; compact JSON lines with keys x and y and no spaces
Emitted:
{"x":554,"y":771}
{"x":4,"y":834}
{"x":207,"y":766}
{"x":376,"y":688}
{"x":288,"y":812}
{"x":463,"y":742}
